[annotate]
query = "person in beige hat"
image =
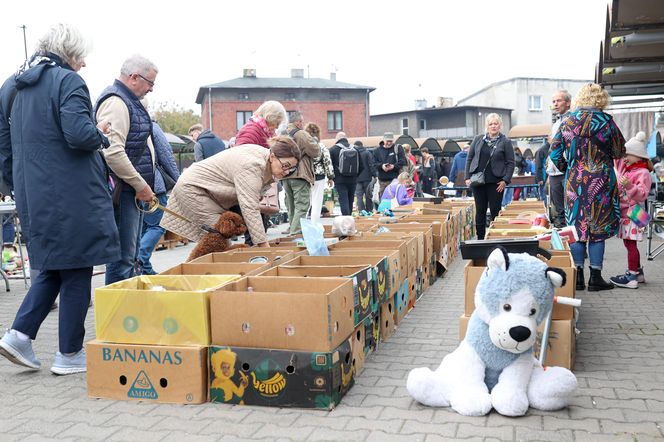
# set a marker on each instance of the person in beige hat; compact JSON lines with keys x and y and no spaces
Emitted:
{"x":634,"y":180}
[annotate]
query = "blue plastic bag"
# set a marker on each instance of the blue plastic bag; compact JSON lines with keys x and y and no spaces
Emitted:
{"x":313,"y":238}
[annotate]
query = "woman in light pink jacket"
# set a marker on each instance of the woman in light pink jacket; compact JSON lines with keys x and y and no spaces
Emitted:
{"x":634,"y":183}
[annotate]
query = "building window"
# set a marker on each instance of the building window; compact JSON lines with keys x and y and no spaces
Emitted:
{"x":243,"y":96}
{"x":423,"y":124}
{"x":334,"y":121}
{"x":404,"y":126}
{"x":334,"y":96}
{"x":242,"y":117}
{"x":290,"y":96}
{"x":535,"y":103}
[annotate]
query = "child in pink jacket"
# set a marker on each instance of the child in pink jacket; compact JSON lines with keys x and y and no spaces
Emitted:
{"x":634,"y":180}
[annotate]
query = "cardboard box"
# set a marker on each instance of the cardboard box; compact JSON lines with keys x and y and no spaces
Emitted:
{"x":165,"y":374}
{"x":378,"y":244}
{"x":380,"y":278}
{"x":371,"y":333}
{"x":246,"y":255}
{"x":562,"y":341}
{"x":361,"y":275}
{"x":219,"y":268}
{"x":358,"y":344}
{"x":474,"y":269}
{"x":409,"y":238}
{"x":392,"y":261}
{"x":280,"y":378}
{"x":401,"y":303}
{"x":284,"y":313}
{"x":412,"y":290}
{"x":387,"y":325}
{"x":157,"y":309}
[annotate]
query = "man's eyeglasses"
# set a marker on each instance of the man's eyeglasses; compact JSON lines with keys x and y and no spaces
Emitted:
{"x":151,"y":83}
{"x":287,"y":167}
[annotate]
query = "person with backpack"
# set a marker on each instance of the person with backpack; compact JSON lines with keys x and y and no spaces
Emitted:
{"x":363,"y":189}
{"x":347,"y":166}
{"x":298,"y":185}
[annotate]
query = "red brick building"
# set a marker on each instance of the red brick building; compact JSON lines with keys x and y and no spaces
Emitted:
{"x":333,"y":105}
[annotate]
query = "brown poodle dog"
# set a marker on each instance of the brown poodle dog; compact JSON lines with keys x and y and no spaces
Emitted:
{"x":229,"y":224}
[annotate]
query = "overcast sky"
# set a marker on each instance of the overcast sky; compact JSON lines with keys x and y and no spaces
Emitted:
{"x":405,"y":49}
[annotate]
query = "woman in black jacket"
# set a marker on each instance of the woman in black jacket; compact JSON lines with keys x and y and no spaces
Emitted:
{"x":493,"y":154}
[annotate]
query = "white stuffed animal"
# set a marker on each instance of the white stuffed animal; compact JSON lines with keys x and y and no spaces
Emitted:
{"x":494,"y":366}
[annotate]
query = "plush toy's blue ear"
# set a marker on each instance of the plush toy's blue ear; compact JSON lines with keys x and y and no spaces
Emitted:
{"x":556,"y":275}
{"x":498,"y":259}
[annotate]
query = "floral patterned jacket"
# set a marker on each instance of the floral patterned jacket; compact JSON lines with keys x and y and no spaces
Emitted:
{"x":323,"y":165}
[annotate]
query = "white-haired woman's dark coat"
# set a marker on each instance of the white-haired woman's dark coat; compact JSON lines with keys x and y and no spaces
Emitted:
{"x":58,"y":174}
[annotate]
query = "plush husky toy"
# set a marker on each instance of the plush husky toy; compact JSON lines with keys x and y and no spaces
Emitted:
{"x":494,"y":366}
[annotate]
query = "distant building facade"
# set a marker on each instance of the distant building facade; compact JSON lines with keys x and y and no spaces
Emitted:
{"x":529,"y":98}
{"x":335,"y":106}
{"x":457,"y":122}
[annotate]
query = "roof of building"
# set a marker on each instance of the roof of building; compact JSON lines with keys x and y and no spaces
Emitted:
{"x":498,"y":83}
{"x":443,"y":109}
{"x":279,"y":83}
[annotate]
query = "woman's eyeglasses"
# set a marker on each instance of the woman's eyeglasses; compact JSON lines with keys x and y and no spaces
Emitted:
{"x":286,"y":167}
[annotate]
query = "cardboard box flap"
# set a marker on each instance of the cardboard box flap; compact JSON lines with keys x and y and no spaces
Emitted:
{"x":219,"y":268}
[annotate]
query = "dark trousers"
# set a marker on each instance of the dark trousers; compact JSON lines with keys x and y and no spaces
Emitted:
{"x":74,"y":286}
{"x":346,"y":192}
{"x":363,"y":195}
{"x":486,"y":196}
{"x":557,"y":184}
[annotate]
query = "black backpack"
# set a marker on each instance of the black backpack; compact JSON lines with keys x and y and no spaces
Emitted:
{"x":349,"y":161}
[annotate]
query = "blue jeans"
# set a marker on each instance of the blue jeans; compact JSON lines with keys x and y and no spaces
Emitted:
{"x":151,"y":233}
{"x":8,"y":231}
{"x":128,"y":220}
{"x":74,"y":286}
{"x":595,"y":253}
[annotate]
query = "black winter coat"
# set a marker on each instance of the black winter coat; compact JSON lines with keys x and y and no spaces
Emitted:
{"x":58,"y":174}
{"x":365,"y":157}
{"x":382,"y":156}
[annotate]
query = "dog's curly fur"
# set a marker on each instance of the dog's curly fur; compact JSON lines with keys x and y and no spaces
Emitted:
{"x":229,"y":224}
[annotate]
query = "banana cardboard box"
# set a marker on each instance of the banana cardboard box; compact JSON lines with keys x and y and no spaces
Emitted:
{"x":414,"y":240}
{"x":219,"y":268}
{"x":401,"y":303}
{"x":359,"y":343}
{"x":157,"y":309}
{"x":148,"y":373}
{"x":385,"y":264}
{"x":249,"y":254}
{"x":428,"y":250}
{"x":371,"y":333}
{"x":378,"y":244}
{"x":283,"y":312}
{"x":387,"y":325}
{"x":393,"y":263}
{"x":361,"y":275}
{"x":280,"y":378}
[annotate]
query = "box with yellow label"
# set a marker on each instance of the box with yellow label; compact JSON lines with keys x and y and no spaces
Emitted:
{"x":157,"y":309}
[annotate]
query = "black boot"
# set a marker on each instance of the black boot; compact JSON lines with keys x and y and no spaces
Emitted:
{"x":580,"y":278}
{"x":596,"y":282}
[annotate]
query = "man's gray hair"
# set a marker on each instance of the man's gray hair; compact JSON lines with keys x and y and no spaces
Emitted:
{"x":294,"y":117}
{"x":66,"y":42}
{"x":137,"y":64}
{"x":566,"y":95}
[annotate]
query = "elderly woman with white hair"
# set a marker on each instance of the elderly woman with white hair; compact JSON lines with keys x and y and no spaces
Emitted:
{"x":491,"y":156}
{"x":61,"y":189}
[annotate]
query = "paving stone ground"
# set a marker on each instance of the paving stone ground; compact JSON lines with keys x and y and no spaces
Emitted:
{"x":619,"y":364}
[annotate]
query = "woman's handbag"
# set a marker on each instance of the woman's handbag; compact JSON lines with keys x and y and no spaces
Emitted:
{"x":477,"y":178}
{"x":269,"y":204}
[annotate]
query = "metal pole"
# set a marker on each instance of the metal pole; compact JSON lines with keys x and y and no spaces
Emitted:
{"x":25,"y":43}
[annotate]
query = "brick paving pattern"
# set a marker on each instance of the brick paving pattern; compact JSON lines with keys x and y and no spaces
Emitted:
{"x":619,"y":364}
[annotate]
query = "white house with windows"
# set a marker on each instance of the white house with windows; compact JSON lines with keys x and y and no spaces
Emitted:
{"x":529,"y":98}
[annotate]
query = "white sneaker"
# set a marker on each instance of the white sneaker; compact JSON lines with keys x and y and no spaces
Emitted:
{"x":63,"y":365}
{"x":19,"y":351}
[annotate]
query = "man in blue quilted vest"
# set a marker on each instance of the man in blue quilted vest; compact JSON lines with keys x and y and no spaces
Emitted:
{"x":130,"y":155}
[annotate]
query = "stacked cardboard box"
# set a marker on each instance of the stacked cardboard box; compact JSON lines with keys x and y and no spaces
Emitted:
{"x":282,"y":341}
{"x":152,"y":338}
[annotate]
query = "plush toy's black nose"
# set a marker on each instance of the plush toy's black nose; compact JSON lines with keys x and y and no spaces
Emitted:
{"x":520,"y":333}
